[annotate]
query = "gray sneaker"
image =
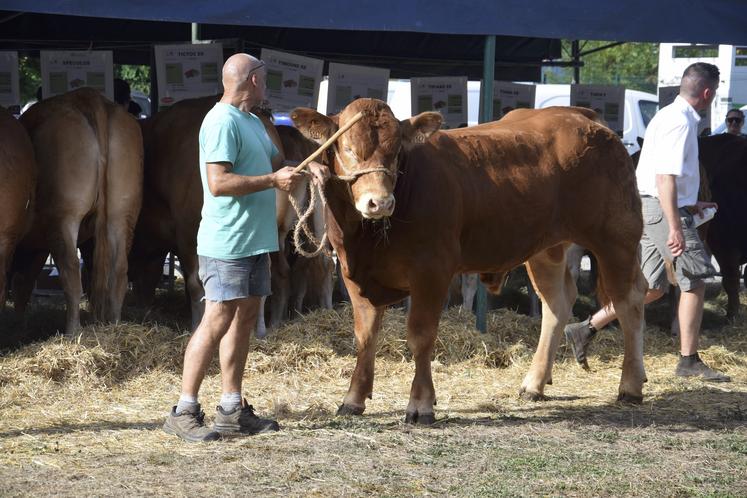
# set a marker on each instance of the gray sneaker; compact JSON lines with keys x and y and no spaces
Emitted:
{"x":579,"y":336}
{"x":242,"y":420}
{"x":189,"y":426}
{"x":693,"y":366}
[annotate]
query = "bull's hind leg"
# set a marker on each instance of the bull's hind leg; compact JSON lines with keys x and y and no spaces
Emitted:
{"x":553,"y":282}
{"x":367,"y":319}
{"x":64,"y":248}
{"x":624,"y":284}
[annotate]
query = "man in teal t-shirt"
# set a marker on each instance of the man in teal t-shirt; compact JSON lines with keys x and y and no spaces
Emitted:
{"x":237,"y":231}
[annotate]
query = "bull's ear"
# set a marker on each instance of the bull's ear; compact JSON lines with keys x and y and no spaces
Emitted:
{"x":417,"y":129}
{"x":314,"y":125}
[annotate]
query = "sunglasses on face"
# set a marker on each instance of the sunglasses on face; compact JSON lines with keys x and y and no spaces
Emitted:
{"x":258,"y":66}
{"x":734,"y":120}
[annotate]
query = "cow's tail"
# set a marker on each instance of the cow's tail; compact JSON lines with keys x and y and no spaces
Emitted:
{"x":99,"y":118}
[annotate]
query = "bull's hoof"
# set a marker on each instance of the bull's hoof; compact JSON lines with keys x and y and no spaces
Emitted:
{"x":350,"y":410}
{"x":420,"y":418}
{"x":630,"y":399}
{"x":531,"y":396}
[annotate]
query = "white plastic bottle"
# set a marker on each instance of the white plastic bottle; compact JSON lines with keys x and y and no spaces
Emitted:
{"x":708,"y":214}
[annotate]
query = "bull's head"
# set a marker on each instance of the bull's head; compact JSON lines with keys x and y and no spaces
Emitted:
{"x":368,"y":154}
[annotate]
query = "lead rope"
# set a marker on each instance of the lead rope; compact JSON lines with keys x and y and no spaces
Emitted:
{"x":320,"y":246}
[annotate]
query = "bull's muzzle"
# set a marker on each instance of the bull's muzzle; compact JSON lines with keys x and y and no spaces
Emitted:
{"x":375,"y":206}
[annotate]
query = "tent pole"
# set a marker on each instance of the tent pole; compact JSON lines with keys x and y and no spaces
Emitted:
{"x":486,"y":115}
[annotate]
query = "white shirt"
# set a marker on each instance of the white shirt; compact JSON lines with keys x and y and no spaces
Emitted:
{"x":670,"y":147}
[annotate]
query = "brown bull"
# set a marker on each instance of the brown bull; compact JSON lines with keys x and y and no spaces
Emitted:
{"x":17,"y":182}
{"x":90,"y":157}
{"x":172,"y":203}
{"x":424,"y":205}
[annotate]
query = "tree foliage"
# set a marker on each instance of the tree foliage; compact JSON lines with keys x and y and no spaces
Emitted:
{"x":29,"y":74}
{"x":633,"y":65}
{"x":137,"y":76}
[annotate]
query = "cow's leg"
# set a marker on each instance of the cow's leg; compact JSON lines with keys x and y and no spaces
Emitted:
{"x":261,"y":330}
{"x":422,"y":327}
{"x":326,"y":286}
{"x":280,"y":284}
{"x":146,"y":273}
{"x":624,"y":284}
{"x":65,"y":253}
{"x":367,"y":319}
{"x":729,"y":265}
{"x":190,"y":271}
{"x":26,"y":266}
{"x":119,"y":230}
{"x":469,"y":289}
{"x":555,"y":286}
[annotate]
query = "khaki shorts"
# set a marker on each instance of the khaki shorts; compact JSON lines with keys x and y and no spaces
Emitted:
{"x":690,"y":267}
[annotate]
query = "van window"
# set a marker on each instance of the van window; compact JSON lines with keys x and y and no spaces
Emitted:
{"x":648,"y":109}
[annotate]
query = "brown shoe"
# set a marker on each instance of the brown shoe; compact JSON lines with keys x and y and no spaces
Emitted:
{"x":579,"y":336}
{"x":242,"y":420}
{"x":693,"y":366}
{"x":189,"y":426}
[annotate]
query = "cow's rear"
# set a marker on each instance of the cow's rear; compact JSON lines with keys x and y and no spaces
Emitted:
{"x":89,"y":155}
{"x":17,"y":183}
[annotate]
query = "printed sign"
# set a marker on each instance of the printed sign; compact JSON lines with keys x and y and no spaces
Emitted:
{"x":63,"y":71}
{"x":347,"y":83}
{"x":10,"y":97}
{"x":607,"y":101}
{"x":292,"y":80}
{"x":447,"y":95}
{"x":510,"y":96}
{"x":188,"y":71}
{"x":667,"y":94}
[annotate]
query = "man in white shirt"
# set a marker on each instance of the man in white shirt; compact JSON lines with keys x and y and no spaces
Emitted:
{"x":668,"y":180}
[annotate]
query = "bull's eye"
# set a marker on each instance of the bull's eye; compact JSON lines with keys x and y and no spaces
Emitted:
{"x":349,"y":151}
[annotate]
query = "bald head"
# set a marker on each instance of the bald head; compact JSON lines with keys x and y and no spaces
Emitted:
{"x":238,"y":68}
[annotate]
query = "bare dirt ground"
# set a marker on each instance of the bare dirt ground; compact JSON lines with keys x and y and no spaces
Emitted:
{"x":83,"y":417}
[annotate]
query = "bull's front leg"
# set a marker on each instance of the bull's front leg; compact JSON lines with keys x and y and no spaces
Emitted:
{"x":422,"y":328}
{"x":367,"y":319}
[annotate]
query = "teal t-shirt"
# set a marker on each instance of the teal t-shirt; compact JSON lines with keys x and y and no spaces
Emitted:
{"x":236,"y":227}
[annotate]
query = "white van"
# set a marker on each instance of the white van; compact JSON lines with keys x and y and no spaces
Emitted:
{"x":640,"y":107}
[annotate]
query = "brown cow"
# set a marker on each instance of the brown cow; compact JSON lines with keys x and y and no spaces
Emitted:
{"x":90,"y":157}
{"x":724,"y":158}
{"x":172,"y":202}
{"x":17,"y":182}
{"x":481,"y":199}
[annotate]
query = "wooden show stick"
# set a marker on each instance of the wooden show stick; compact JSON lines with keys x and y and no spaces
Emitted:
{"x":329,"y":142}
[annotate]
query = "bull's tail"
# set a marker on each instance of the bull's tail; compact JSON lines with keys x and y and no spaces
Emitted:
{"x":97,"y":114}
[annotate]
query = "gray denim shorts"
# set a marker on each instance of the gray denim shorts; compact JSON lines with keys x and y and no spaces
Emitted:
{"x":690,"y":267}
{"x":229,"y":279}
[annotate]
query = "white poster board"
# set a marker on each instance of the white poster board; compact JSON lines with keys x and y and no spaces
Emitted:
{"x":510,"y":96}
{"x":607,"y":100}
{"x":347,"y":83}
{"x":292,"y":80}
{"x":447,"y":95}
{"x":63,"y":71}
{"x":10,"y":97}
{"x":188,"y":71}
{"x":667,"y":95}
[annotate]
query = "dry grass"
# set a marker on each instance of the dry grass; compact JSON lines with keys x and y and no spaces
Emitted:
{"x":83,"y":417}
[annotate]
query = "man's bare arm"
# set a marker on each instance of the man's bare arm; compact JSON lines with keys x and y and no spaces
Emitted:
{"x":222,"y":182}
{"x":667,"y":187}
